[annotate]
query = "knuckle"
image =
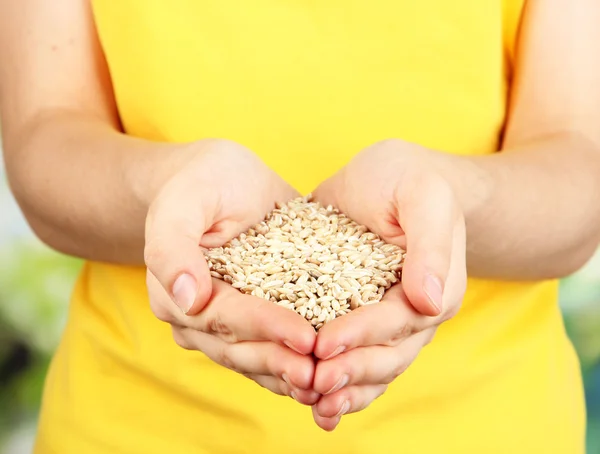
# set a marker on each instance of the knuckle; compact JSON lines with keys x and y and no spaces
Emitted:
{"x":225,"y":358}
{"x":428,"y":340}
{"x":451,"y":312}
{"x":362,"y":402}
{"x":219,"y":151}
{"x":393,"y":342}
{"x":445,"y":192}
{"x":282,"y":388}
{"x":160,"y":303}
{"x":390,"y":143}
{"x":388,"y":379}
{"x":437,"y":186}
{"x":462,"y":290}
{"x":382,"y":391}
{"x":154,"y":252}
{"x":385,"y":146}
{"x":351,"y":368}
{"x":400,"y":368}
{"x":403,"y":331}
{"x":215,"y":325}
{"x":181,"y":340}
{"x":161,"y":312}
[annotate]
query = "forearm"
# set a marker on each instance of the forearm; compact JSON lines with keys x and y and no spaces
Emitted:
{"x":84,"y":187}
{"x":532,"y":212}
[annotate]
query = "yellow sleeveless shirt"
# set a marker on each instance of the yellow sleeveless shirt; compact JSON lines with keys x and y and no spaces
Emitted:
{"x":306,"y":84}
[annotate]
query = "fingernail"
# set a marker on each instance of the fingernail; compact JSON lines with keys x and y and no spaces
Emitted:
{"x":286,"y":379}
{"x":433,"y":289}
{"x":290,"y":345}
{"x":343,"y":381}
{"x":344,"y":409}
{"x":184,"y":292}
{"x":336,"y":352}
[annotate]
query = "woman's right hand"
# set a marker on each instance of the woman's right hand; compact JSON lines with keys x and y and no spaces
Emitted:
{"x":266,"y":343}
{"x":220,"y":191}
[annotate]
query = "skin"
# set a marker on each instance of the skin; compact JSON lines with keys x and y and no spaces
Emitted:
{"x":530,"y":212}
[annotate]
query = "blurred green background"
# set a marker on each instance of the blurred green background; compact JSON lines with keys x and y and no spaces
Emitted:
{"x":35,"y":284}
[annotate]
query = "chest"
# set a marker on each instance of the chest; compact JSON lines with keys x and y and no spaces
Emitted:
{"x":306,"y":84}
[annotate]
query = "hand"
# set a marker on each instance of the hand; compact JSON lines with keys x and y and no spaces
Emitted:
{"x":220,"y":192}
{"x":252,"y":336}
{"x":393,"y":189}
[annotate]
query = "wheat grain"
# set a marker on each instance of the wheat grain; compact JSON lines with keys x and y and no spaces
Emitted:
{"x":310,"y":259}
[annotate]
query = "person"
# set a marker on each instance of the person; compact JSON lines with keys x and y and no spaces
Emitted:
{"x":137,"y":134}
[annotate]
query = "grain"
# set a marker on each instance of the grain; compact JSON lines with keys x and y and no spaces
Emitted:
{"x":310,"y":259}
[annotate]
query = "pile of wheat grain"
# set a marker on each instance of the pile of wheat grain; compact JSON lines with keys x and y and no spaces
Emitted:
{"x":310,"y":259}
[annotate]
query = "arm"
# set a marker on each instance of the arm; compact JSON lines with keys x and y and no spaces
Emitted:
{"x":89,"y":190}
{"x":533,"y":210}
{"x":83,"y":186}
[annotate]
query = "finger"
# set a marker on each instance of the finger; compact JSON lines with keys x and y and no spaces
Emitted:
{"x":174,"y":227}
{"x":427,"y":212}
{"x":258,"y":358}
{"x":368,"y":365}
{"x":234,"y":317}
{"x":161,"y":303}
{"x":280,"y":387}
{"x":328,"y":424}
{"x":329,"y":191}
{"x":349,"y":400}
{"x":394,"y":318}
{"x":329,"y":409}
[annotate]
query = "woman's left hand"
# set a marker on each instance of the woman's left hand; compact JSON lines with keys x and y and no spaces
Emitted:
{"x":393,"y":189}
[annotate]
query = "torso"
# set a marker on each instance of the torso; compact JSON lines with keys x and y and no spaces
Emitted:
{"x":307,"y":84}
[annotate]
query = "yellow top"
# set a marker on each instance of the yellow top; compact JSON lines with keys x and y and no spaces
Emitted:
{"x":306,"y":84}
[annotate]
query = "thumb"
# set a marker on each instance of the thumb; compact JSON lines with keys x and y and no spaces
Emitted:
{"x":174,"y":228}
{"x":426,"y":213}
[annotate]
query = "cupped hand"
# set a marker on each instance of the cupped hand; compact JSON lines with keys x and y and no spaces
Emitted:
{"x":252,"y":336}
{"x":221,"y":191}
{"x":393,"y":189}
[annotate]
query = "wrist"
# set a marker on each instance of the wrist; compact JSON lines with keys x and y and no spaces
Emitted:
{"x":471,"y":183}
{"x":151,"y":166}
